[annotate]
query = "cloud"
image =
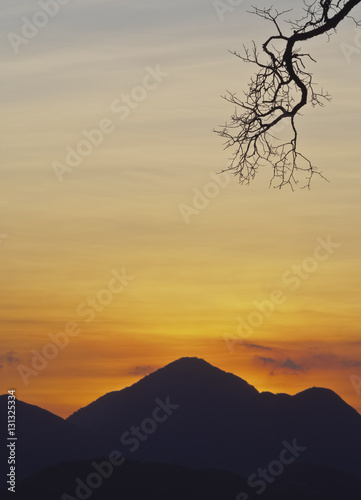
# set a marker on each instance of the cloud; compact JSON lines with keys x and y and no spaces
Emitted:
{"x":266,"y":361}
{"x":287,"y":364}
{"x":142,"y":370}
{"x":330,"y":360}
{"x":9,"y":359}
{"x":257,"y":346}
{"x":306,"y":361}
{"x":291,"y":365}
{"x":349,"y":363}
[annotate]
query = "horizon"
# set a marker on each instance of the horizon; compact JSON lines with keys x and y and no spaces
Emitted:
{"x":172,"y":363}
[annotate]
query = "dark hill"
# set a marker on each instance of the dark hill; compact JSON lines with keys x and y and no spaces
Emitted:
{"x":134,"y":481}
{"x":43,"y":439}
{"x":224,"y":423}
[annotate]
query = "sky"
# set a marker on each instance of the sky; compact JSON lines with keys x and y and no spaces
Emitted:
{"x":123,"y":248}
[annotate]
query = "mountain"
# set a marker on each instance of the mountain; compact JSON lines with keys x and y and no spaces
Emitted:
{"x":218,"y":421}
{"x":43,"y":439}
{"x":191,"y":415}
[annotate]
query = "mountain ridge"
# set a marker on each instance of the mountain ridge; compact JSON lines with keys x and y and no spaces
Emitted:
{"x":181,"y":367}
{"x":220,"y":408}
{"x":195,"y":415}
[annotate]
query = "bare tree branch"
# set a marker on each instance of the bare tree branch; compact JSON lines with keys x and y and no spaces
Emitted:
{"x":277,"y":93}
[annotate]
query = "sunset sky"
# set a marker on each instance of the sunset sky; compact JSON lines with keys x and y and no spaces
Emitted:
{"x":117,"y":219}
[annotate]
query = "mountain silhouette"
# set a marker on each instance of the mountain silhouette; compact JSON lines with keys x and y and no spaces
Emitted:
{"x":43,"y":439}
{"x":193,"y":415}
{"x":224,"y":423}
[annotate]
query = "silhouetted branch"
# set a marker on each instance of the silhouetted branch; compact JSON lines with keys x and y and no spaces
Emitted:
{"x":276,"y":94}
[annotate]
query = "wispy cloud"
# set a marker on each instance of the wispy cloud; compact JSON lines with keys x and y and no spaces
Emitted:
{"x":142,"y":370}
{"x":315,"y":361}
{"x":287,"y":364}
{"x":291,"y":365}
{"x":330,"y":360}
{"x":257,"y":346}
{"x":266,"y":361}
{"x":349,"y":363}
{"x":9,"y":359}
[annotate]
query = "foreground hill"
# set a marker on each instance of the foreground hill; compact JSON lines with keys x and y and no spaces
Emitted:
{"x":134,"y":481}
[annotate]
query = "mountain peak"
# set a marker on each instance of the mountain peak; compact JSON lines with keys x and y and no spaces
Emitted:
{"x":189,"y":360}
{"x":313,"y":394}
{"x":185,"y":379}
{"x":194,"y":372}
{"x":189,"y":363}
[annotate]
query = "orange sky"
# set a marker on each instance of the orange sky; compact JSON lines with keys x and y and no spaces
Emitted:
{"x":187,"y":280}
